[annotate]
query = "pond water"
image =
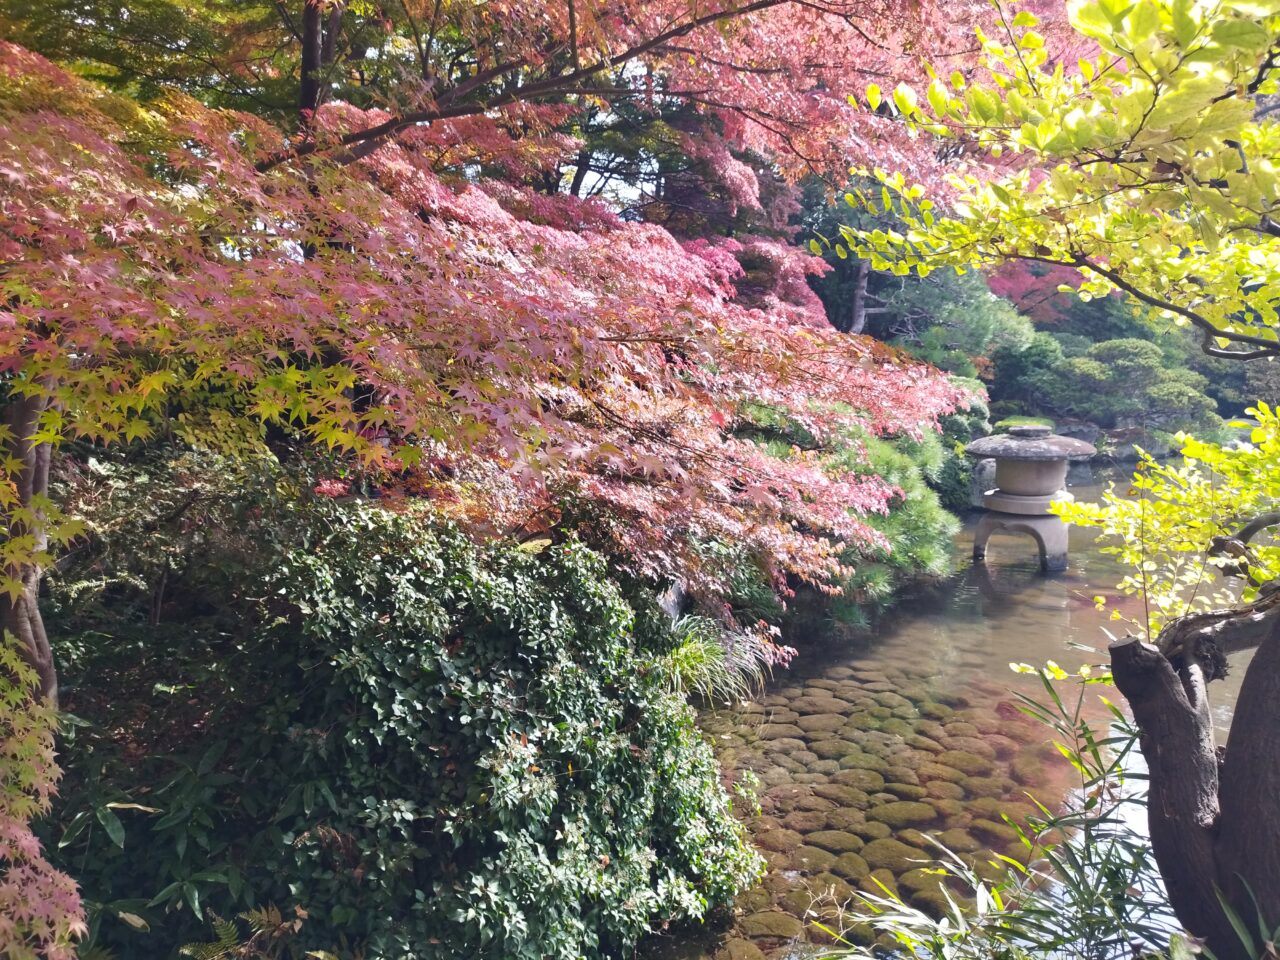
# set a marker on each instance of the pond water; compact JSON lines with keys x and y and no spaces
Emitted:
{"x":865,"y":744}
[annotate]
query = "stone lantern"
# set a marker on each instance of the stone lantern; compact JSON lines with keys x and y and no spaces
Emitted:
{"x":1031,"y":474}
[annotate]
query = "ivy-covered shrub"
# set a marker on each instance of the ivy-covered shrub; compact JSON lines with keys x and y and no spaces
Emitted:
{"x":412,"y":745}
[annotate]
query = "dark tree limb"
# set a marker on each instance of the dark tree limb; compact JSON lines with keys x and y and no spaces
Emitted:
{"x":858,"y":316}
{"x":312,"y":45}
{"x":1177,"y":742}
{"x":1214,"y":828}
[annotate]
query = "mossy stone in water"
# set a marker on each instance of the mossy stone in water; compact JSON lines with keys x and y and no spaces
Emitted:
{"x":915,"y":838}
{"x":771,"y":923}
{"x":919,"y":742}
{"x":812,"y":859}
{"x":812,"y":705}
{"x":958,"y":841}
{"x":824,"y":767}
{"x":947,"y":807}
{"x":821,"y":722}
{"x":992,"y":832}
{"x":779,"y":839}
{"x":944,"y":790}
{"x":776,"y":861}
{"x":938,"y":771}
{"x":958,"y":728}
{"x":906,"y":791}
{"x":872,"y":883}
{"x":829,"y":887}
{"x":1004,"y":747}
{"x":988,"y":786}
{"x":753,"y":900}
{"x":903,"y":813}
{"x":992,"y":809}
{"x":935,"y":711}
{"x":845,"y":818}
{"x":896,"y":773}
{"x":810,"y":802}
{"x":972,"y":745}
{"x":872,"y":830}
{"x":832,"y":749}
{"x":784,"y":745}
{"x":840,"y":795}
{"x":931,"y":901}
{"x":897,"y":726}
{"x":862,"y":779}
{"x":922,"y":878}
{"x":739,"y":949}
{"x":970,"y":764}
{"x":788,"y":763}
{"x":776,"y":731}
{"x":1029,"y":770}
{"x":775,"y":776}
{"x":796,"y":901}
{"x":820,"y":735}
{"x":851,"y":866}
{"x":892,"y":855}
{"x":805,"y":821}
{"x":837,"y":841}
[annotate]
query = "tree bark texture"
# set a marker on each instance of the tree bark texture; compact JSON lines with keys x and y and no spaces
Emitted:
{"x":1214,"y":829}
{"x":312,"y":55}
{"x":858,"y":311}
{"x":20,"y":614}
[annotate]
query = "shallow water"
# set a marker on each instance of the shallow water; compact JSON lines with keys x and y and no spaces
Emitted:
{"x":865,"y":744}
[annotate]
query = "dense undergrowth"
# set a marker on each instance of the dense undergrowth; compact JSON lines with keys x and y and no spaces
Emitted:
{"x":415,"y":745}
{"x":406,"y":742}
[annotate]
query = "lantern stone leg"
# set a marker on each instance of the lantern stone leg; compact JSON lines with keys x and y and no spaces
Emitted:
{"x":1049,"y":533}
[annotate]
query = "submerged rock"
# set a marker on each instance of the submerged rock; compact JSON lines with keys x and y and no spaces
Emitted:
{"x":970,"y":764}
{"x":892,"y":855}
{"x":812,"y":858}
{"x":771,"y":923}
{"x":903,"y":813}
{"x":851,"y":866}
{"x":739,"y":949}
{"x":837,"y":841}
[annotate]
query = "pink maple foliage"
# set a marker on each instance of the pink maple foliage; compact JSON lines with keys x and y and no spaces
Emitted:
{"x":601,"y":361}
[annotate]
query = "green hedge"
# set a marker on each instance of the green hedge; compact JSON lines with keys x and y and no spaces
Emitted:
{"x":433,"y":748}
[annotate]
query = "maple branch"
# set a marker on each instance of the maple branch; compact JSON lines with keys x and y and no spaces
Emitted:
{"x":567,"y":84}
{"x":573,"y":35}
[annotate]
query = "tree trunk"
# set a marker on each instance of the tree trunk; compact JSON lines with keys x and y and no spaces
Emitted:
{"x":583,"y":164}
{"x":20,"y":609}
{"x":312,"y":55}
{"x":1214,"y":825}
{"x":858,"y":312}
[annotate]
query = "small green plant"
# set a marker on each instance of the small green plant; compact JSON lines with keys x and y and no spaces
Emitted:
{"x":1084,"y":890}
{"x":709,"y":663}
